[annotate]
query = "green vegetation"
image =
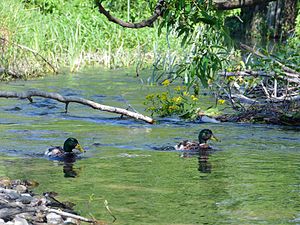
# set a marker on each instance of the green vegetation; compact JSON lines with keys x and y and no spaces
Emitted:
{"x":69,"y":34}
{"x":190,"y":45}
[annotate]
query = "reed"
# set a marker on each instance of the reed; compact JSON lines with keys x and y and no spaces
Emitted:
{"x":70,"y":36}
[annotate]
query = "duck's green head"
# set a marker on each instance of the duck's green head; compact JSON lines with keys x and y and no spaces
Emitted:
{"x":205,"y":135}
{"x":72,"y":143}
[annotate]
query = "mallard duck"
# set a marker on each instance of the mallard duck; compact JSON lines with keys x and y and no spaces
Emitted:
{"x":67,"y":149}
{"x":204,"y":136}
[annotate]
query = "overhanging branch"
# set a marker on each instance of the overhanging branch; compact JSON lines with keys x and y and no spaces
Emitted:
{"x":36,"y":93}
{"x":235,"y":4}
{"x":145,"y":23}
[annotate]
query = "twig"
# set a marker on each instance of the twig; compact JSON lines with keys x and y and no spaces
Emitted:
{"x":259,"y":54}
{"x":66,"y":214}
{"x":275,"y":88}
{"x":108,"y":209}
{"x":36,"y":93}
{"x":32,"y":51}
{"x":265,"y":89}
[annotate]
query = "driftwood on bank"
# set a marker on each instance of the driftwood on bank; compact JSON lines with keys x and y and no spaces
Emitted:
{"x":55,"y":96}
{"x":19,"y":205}
{"x":259,"y":54}
{"x":263,"y":96}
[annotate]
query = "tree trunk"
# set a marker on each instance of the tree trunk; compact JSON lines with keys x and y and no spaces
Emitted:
{"x":290,"y":14}
{"x":267,"y":20}
{"x":254,"y":26}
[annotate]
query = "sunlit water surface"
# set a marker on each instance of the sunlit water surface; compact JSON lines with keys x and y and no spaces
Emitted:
{"x":253,"y":176}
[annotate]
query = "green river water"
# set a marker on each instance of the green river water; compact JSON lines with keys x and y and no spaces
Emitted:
{"x":252,"y":178}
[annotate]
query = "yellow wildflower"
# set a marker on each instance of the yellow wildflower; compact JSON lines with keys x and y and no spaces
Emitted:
{"x":177,"y":99}
{"x":221,"y":101}
{"x":173,"y":107}
{"x":177,"y":88}
{"x":194,"y":98}
{"x":164,"y":96}
{"x":185,"y":93}
{"x":166,"y":82}
{"x":150,"y":97}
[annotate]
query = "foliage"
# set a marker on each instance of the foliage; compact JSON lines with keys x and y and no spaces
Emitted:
{"x":174,"y":101}
{"x":206,"y":45}
{"x":73,"y":34}
{"x":131,"y":11}
{"x":202,"y":32}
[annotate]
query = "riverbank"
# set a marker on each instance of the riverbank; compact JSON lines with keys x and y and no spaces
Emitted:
{"x":38,"y":38}
{"x":19,"y":205}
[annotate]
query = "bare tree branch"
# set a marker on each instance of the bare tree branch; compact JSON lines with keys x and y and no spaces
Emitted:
{"x":36,"y":93}
{"x":235,"y":4}
{"x":161,"y":4}
{"x":71,"y":215}
{"x":145,"y":23}
{"x":259,"y":54}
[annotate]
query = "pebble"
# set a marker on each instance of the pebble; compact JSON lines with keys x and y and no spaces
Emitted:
{"x":20,"y":221}
{"x":53,"y":218}
{"x":19,"y":206}
{"x":25,"y":199}
{"x":21,"y":188}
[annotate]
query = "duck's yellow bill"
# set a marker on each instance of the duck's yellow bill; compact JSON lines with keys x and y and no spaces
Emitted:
{"x":213,"y":137}
{"x":79,"y":148}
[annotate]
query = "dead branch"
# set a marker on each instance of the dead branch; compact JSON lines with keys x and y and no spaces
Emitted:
{"x":243,"y":99}
{"x":71,"y":215}
{"x":36,"y":93}
{"x":9,"y":72}
{"x":145,"y":23}
{"x":34,"y":52}
{"x":259,"y":54}
{"x":290,"y":77}
{"x":234,"y":4}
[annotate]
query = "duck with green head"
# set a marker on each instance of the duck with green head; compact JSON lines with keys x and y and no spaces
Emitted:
{"x":69,"y":145}
{"x":203,"y":137}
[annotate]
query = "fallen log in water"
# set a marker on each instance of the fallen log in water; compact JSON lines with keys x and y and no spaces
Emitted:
{"x":64,"y":99}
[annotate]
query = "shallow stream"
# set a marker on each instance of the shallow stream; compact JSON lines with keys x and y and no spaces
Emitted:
{"x":253,"y":176}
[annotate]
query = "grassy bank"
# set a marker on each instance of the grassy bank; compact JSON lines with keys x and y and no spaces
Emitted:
{"x":69,"y":34}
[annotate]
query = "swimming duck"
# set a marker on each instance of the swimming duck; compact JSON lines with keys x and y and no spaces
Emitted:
{"x":204,"y":136}
{"x":67,"y":149}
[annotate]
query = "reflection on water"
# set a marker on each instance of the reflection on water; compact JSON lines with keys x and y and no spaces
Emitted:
{"x":204,"y":164}
{"x":253,"y":180}
{"x":68,"y":162}
{"x":69,"y":170}
{"x":68,"y":167}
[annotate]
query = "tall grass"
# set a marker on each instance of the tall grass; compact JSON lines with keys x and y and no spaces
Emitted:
{"x":73,"y":36}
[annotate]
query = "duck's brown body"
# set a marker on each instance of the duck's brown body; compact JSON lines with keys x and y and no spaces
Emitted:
{"x":203,"y":137}
{"x":191,"y":146}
